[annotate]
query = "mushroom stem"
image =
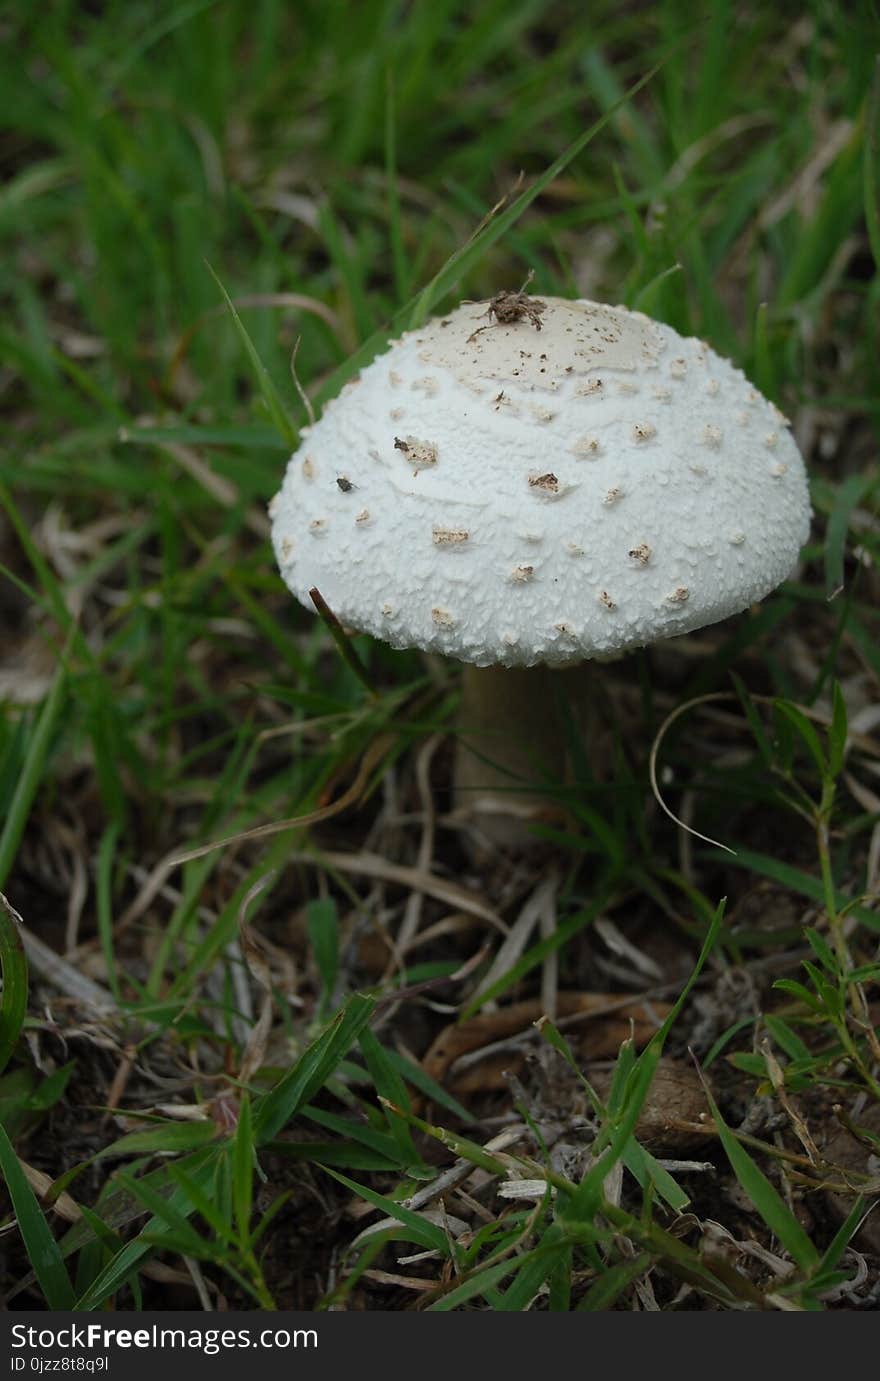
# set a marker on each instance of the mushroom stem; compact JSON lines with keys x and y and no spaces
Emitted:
{"x":510,"y":751}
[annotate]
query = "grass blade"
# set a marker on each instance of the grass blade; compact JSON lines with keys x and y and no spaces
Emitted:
{"x":871,"y":165}
{"x":418,"y":1228}
{"x":268,"y":391}
{"x":774,"y":1211}
{"x":32,"y":773}
{"x":42,"y":1249}
{"x":13,"y":966}
{"x":612,"y":1284}
{"x":464,"y":259}
{"x":312,"y":1069}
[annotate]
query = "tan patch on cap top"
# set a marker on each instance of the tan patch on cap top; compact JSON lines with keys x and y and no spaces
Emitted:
{"x":575,"y":338}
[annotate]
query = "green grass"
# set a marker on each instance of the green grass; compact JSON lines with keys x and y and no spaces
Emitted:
{"x":193,"y":193}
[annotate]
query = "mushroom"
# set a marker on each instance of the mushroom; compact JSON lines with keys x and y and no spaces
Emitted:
{"x":531,"y":490}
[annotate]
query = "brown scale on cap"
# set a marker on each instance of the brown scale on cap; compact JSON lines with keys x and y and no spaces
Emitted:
{"x":640,"y":554}
{"x":591,"y":388}
{"x":449,"y":536}
{"x":421,"y":454}
{"x":589,"y":446}
{"x":548,"y":484}
{"x":520,"y":574}
{"x":428,"y":385}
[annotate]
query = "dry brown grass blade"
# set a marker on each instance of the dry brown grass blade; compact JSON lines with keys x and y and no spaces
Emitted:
{"x":401,"y":1282}
{"x":226,"y":494}
{"x":631,"y":1017}
{"x":66,"y":977}
{"x":254,"y":956}
{"x":517,"y":935}
{"x":294,"y":301}
{"x":370,"y":760}
{"x":303,"y":396}
{"x":65,"y":1206}
{"x":413,"y":913}
{"x":374,"y":866}
{"x":160,"y":873}
{"x":547,"y":921}
{"x":809,"y":711}
{"x":652,"y":764}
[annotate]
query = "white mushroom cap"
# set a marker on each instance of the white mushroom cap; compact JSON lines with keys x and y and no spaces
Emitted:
{"x":511,"y":495}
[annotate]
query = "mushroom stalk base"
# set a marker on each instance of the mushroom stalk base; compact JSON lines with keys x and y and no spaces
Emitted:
{"x":510,"y":753}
